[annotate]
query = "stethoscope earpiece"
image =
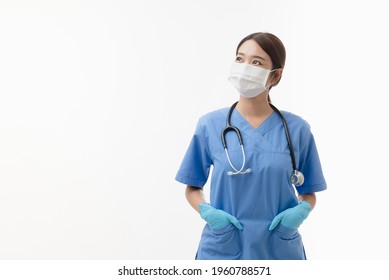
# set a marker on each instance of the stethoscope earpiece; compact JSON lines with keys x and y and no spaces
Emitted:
{"x":230,"y":173}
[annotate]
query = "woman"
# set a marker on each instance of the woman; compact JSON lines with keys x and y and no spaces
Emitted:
{"x":258,"y":198}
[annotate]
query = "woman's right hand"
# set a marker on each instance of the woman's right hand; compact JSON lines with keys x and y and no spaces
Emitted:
{"x":217,"y":218}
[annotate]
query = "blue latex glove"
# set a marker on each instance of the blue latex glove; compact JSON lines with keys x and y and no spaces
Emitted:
{"x":217,"y":218}
{"x":292,"y":217}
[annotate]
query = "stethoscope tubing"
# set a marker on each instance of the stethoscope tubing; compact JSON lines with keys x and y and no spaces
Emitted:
{"x":291,"y":150}
{"x":297,"y":177}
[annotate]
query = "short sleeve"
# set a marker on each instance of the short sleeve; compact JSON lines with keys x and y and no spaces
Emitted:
{"x":195,"y":166}
{"x":309,"y":164}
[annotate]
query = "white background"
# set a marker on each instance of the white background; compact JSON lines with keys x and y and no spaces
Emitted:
{"x":99,"y":100}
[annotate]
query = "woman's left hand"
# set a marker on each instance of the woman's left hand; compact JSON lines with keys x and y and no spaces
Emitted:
{"x":292,"y":217}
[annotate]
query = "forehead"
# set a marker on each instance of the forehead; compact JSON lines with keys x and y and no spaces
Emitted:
{"x":251,"y":48}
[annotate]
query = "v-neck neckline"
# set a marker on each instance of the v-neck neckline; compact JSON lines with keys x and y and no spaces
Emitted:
{"x":262,"y":129}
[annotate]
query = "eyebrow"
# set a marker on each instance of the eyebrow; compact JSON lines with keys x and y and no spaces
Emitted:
{"x":255,"y":56}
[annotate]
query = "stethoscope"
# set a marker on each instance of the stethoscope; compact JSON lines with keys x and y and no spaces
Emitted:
{"x":296,"y":178}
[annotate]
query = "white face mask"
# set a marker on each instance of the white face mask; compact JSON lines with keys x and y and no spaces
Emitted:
{"x":249,"y":80}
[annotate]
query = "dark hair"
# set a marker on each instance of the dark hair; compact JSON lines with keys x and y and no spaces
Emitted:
{"x":272,"y":45}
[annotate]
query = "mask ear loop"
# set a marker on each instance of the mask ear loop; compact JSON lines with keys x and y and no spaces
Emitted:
{"x":270,"y":86}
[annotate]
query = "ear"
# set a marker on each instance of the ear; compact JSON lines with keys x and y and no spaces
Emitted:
{"x":276,"y":77}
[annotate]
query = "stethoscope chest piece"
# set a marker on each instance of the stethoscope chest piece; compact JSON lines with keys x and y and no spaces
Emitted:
{"x":297,"y":178}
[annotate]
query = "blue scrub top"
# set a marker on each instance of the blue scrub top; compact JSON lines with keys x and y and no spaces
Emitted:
{"x":257,"y":197}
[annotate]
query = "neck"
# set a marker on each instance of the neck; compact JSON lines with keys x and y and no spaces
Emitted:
{"x":254,"y":107}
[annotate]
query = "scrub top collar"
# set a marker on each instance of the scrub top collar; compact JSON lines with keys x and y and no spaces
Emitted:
{"x":256,"y":134}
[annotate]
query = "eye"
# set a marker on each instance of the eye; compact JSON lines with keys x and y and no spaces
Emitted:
{"x":256,"y":62}
{"x":238,"y":59}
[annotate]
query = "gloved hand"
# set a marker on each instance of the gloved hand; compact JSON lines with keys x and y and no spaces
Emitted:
{"x":292,"y":217}
{"x":217,"y":218}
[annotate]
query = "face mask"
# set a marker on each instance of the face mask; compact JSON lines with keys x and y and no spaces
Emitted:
{"x":249,"y":80}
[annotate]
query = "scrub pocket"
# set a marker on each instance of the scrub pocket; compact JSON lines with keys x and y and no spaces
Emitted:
{"x":286,"y":244}
{"x":220,"y":244}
